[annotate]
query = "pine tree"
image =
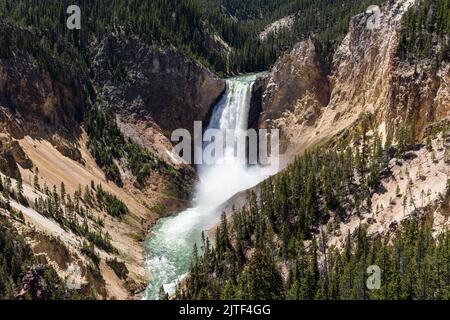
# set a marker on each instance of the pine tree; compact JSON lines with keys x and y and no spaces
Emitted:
{"x":36,"y":180}
{"x":19,"y":185}
{"x":262,"y":281}
{"x":162,"y":294}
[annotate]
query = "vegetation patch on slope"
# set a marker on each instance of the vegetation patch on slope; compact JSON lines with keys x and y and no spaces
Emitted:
{"x":426,"y":31}
{"x":109,"y":146}
{"x":189,"y":25}
{"x":277,"y":245}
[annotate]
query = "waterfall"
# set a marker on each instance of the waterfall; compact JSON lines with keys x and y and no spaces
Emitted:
{"x":171,"y":240}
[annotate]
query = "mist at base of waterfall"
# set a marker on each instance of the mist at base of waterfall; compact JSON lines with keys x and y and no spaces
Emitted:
{"x":170,"y":243}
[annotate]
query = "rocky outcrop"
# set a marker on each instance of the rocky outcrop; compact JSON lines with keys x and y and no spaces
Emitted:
{"x":12,"y":155}
{"x":20,"y":157}
{"x":159,"y":85}
{"x":67,"y":148}
{"x":8,"y":165}
{"x":215,"y":44}
{"x":285,"y":24}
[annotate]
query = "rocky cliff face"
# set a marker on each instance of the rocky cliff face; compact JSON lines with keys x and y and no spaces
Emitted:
{"x":420,"y":94}
{"x":35,"y":102}
{"x":297,"y":84}
{"x":310,"y":102}
{"x":154,"y":83}
{"x":40,"y":97}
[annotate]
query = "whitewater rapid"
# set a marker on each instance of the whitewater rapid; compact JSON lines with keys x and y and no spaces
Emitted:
{"x":170,"y":243}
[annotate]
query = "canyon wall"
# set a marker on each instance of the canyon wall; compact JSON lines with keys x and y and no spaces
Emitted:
{"x":310,"y":101}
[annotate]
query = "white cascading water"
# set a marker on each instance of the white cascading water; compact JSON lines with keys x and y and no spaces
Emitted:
{"x":171,"y":240}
